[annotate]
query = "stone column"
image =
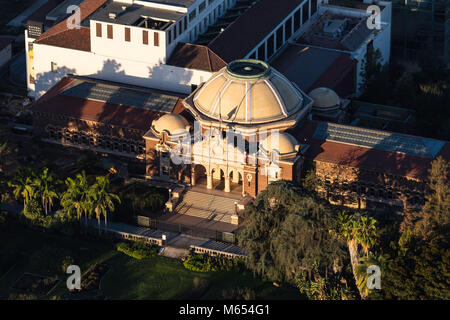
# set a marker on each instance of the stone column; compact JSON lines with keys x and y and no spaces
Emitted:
{"x":227,"y":184}
{"x":193,"y":177}
{"x":209,"y":183}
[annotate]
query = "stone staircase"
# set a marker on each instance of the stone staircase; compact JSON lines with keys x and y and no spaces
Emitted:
{"x":206,"y":206}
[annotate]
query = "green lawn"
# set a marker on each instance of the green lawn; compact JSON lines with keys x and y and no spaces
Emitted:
{"x":128,"y":278}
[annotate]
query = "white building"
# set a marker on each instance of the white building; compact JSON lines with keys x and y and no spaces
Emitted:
{"x":169,"y":45}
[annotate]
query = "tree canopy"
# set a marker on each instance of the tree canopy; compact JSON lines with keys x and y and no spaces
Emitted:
{"x":288,"y":233}
{"x":419,"y":267}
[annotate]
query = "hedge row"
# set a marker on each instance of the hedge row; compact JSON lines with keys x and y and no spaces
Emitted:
{"x":137,"y":250}
{"x":206,"y":263}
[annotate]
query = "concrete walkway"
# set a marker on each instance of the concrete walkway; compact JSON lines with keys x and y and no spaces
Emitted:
{"x":174,"y":253}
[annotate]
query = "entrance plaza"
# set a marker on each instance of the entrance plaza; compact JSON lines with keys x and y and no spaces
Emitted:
{"x":200,"y":208}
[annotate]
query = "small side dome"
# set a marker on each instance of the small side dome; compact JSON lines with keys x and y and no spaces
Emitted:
{"x":286,"y":144}
{"x":325,"y":98}
{"x":174,"y":124}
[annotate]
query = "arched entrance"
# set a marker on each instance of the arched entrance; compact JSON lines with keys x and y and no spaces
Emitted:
{"x":218,"y":179}
{"x":236,"y":182}
{"x":199,"y":175}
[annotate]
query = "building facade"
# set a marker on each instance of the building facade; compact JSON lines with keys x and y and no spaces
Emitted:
{"x":163,"y":84}
{"x":177,"y":45}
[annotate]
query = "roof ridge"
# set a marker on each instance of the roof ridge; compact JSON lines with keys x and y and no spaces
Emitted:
{"x":208,"y":49}
{"x":209,"y":59}
{"x":87,"y":7}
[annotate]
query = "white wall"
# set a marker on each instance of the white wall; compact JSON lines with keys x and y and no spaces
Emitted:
{"x":157,"y":75}
{"x":136,"y":50}
{"x":133,"y":50}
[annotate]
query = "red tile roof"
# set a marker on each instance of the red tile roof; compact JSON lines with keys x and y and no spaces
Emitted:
{"x":336,"y":73}
{"x":365,"y":158}
{"x":194,"y":56}
{"x":61,"y":36}
{"x":77,"y":39}
{"x":93,"y":110}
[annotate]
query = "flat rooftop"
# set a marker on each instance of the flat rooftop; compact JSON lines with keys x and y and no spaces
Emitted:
{"x":337,"y":31}
{"x":179,"y":3}
{"x":311,"y":67}
{"x":134,"y":15}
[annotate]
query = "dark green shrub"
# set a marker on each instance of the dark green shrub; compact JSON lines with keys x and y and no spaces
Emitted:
{"x":206,"y":263}
{"x":33,"y":210}
{"x":138,"y":250}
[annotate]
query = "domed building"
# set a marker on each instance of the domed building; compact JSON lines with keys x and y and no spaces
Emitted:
{"x":246,"y":126}
{"x":248,"y":95}
{"x":239,"y":117}
{"x":327,"y":105}
{"x":174,"y":125}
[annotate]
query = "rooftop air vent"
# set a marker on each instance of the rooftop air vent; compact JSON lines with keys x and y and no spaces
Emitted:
{"x":334,"y":27}
{"x":112,"y":15}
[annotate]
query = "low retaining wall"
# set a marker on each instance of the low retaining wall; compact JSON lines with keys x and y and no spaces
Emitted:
{"x":134,"y":237}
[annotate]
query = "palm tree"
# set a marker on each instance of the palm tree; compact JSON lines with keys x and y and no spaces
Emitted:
{"x":356,"y":230}
{"x":366,"y":232}
{"x":23,"y":185}
{"x":102,"y":199}
{"x":45,"y":185}
{"x":75,"y":199}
